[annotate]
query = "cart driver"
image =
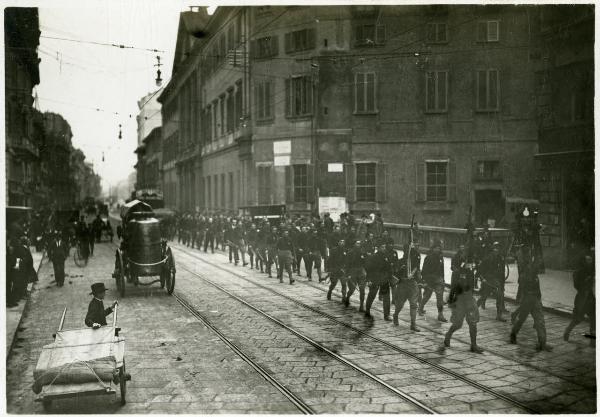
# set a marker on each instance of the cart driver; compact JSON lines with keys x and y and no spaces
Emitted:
{"x":96,"y":315}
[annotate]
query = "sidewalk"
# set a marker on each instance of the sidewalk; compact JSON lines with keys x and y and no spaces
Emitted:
{"x":14,"y":314}
{"x":557,"y":288}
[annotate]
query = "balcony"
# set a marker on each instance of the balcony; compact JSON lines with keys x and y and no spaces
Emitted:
{"x":24,"y":146}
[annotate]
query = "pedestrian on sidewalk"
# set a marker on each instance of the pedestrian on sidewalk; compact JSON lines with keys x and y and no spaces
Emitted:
{"x":58,"y":252}
{"x":96,"y":314}
{"x":11,"y":271}
{"x":433,"y":275}
{"x":531,"y":301}
{"x":584,"y":278}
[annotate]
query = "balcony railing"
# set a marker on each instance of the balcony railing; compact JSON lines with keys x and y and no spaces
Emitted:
{"x":24,"y":145}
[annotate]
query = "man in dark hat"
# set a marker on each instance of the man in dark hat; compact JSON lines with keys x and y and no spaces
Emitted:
{"x":433,"y":275}
{"x":96,"y":315}
{"x":58,"y":252}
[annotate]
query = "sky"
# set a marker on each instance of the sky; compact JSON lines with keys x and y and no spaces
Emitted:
{"x":76,"y":78}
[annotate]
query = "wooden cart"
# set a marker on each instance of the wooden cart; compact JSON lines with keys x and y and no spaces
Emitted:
{"x":82,"y":362}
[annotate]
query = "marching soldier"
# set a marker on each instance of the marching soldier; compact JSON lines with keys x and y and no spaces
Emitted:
{"x":492,"y":269}
{"x":584,"y":279}
{"x":458,"y":261}
{"x":239,"y":240}
{"x":271,"y":242}
{"x":378,"y":274}
{"x":337,"y":269}
{"x":229,"y":239}
{"x":315,"y":245}
{"x":209,"y":238}
{"x":285,"y":249}
{"x":531,"y":301}
{"x":251,"y":237}
{"x":433,"y":276}
{"x":407,"y":289}
{"x":355,"y":262}
{"x":464,"y":306}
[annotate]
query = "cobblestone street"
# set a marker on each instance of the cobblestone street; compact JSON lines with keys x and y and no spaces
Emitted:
{"x":178,"y":365}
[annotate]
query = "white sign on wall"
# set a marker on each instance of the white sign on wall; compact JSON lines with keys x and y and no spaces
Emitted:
{"x":281,"y":160}
{"x":335,"y":167}
{"x":282,"y":153}
{"x":335,"y":206}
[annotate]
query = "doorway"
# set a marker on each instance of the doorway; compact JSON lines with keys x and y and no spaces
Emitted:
{"x":489,"y":205}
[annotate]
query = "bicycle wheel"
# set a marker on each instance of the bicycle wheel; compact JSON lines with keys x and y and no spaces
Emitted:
{"x":78,"y":257}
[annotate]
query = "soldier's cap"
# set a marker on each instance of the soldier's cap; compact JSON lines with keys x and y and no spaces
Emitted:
{"x":496,"y":244}
{"x":98,"y":287}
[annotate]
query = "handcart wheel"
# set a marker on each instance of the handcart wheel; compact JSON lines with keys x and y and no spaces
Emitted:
{"x":120,"y":274}
{"x":78,"y":258}
{"x":170,"y":272}
{"x":123,"y":383}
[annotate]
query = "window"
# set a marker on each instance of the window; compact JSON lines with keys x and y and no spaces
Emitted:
{"x":436,"y":180}
{"x":488,"y":170}
{"x":299,"y":96}
{"x":264,"y":185}
{"x":488,"y":90}
{"x":436,"y":86}
{"x":266,"y":47}
{"x":222,"y":115}
{"x":239,"y":105}
{"x":300,"y":40}
{"x":230,"y":112}
{"x":264,"y":100}
{"x":209,"y":199}
{"x":364,"y":93}
{"x":369,"y":35}
{"x":300,"y":183}
{"x":366,"y":183}
{"x":488,"y":31}
{"x":437,"y":33}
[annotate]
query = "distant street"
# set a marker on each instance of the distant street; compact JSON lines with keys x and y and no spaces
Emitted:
{"x":325,"y":355}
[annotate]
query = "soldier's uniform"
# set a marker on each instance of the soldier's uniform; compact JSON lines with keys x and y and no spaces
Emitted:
{"x":355,"y":262}
{"x":531,"y":303}
{"x":271,"y":243}
{"x":584,"y":280}
{"x":378,"y":275}
{"x":285,"y":249}
{"x":464,"y":306}
{"x":433,"y":276}
{"x":407,"y":288}
{"x":251,"y":237}
{"x":209,"y":237}
{"x":458,"y":261}
{"x":314,"y":245}
{"x":492,"y":270}
{"x":337,"y":269}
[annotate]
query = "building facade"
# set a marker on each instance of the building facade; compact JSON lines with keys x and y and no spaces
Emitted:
{"x":565,"y":162}
{"x":21,"y":65}
{"x":427,"y":110}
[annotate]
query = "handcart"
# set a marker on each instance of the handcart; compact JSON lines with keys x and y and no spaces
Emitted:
{"x":81,"y":362}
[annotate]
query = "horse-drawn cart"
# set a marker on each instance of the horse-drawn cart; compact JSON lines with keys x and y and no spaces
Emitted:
{"x":81,"y":362}
{"x":143,"y":252}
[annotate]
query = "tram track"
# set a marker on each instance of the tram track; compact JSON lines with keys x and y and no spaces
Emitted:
{"x":433,"y":330}
{"x":295,"y":399}
{"x":396,"y":348}
{"x":360,"y":332}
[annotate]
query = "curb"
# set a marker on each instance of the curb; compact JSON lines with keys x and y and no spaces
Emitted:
{"x":30,"y":287}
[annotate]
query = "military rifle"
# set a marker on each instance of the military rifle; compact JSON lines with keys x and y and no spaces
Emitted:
{"x":410,"y":274}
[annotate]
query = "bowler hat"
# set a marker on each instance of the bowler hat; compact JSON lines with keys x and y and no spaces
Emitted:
{"x":98,"y":287}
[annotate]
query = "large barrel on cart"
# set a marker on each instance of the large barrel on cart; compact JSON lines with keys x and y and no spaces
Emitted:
{"x":143,"y":252}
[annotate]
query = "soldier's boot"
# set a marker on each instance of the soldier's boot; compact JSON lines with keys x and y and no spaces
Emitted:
{"x":568,"y":330}
{"x":473,"y":335}
{"x":448,"y":335}
{"x":386,"y":309}
{"x":499,"y":316}
{"x":331,"y":287}
{"x":441,"y":315}
{"x":513,"y":338}
{"x":413,"y":320}
{"x":542,"y":345}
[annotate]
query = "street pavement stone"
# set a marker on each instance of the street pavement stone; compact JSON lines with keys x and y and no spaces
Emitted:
{"x":525,"y":362}
{"x":177,"y":365}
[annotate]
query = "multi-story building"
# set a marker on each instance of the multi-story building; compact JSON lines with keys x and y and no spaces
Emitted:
{"x":418,"y":109}
{"x":565,"y":87}
{"x":21,"y":65}
{"x":150,"y":162}
{"x":149,"y":116}
{"x":55,"y":155}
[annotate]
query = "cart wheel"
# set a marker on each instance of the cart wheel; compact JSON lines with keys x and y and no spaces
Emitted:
{"x":47,"y":404}
{"x":123,"y":383}
{"x":506,"y":271}
{"x":120,"y":274}
{"x":170,"y":272}
{"x":78,"y":258}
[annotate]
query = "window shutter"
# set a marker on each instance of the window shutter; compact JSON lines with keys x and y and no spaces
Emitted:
{"x":451,"y":189}
{"x":380,"y":34}
{"x":310,"y":183}
{"x":350,"y":170}
{"x":493,"y":31}
{"x":311,"y":41}
{"x":420,"y":181}
{"x":274,"y":45}
{"x":288,"y":97}
{"x":288,"y":42}
{"x":381,"y":182}
{"x":289,"y":184}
